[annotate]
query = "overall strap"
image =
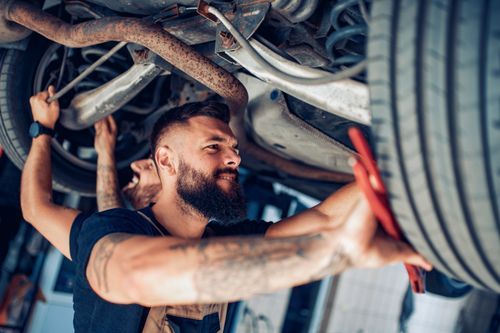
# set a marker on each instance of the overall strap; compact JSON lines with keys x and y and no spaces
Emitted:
{"x":151,"y":222}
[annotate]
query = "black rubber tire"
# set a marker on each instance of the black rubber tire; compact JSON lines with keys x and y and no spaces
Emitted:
{"x":17,"y":69}
{"x":434,"y":76}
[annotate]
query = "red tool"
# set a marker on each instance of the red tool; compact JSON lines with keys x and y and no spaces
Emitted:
{"x":368,"y":178}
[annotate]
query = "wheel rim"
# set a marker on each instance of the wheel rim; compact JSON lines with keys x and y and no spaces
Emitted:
{"x":76,"y":147}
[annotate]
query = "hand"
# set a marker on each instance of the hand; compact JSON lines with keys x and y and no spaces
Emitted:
{"x":43,"y":112}
{"x":369,"y":246}
{"x":105,"y":136}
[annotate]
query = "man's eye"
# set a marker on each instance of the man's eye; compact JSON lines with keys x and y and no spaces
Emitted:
{"x":213,"y":147}
{"x":237,"y":151}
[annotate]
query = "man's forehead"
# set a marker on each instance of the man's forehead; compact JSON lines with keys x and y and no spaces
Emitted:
{"x":208,"y":128}
{"x":199,"y":129}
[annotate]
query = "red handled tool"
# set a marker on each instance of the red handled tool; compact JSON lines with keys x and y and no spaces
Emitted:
{"x":368,"y":178}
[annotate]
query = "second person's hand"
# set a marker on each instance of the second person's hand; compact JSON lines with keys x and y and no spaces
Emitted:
{"x":105,"y":136}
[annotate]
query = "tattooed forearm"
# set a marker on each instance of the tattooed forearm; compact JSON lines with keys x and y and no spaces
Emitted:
{"x":240,"y":267}
{"x":108,"y":195}
{"x":103,"y":252}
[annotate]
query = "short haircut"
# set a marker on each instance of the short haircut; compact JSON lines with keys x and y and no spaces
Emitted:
{"x":181,"y":114}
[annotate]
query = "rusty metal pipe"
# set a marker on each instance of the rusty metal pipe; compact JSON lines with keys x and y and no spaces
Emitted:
{"x":137,"y":31}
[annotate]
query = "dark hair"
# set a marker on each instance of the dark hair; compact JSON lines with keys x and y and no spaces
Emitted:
{"x":182,"y":114}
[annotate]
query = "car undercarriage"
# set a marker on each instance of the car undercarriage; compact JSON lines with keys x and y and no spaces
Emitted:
{"x":420,"y":79}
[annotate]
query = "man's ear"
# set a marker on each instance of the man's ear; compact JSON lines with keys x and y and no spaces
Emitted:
{"x":165,"y":159}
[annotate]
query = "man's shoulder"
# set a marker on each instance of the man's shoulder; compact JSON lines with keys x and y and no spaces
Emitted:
{"x":112,"y":220}
{"x":88,"y":229}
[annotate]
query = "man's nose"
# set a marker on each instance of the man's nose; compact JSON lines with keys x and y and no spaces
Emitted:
{"x":135,"y":166}
{"x":139,"y":165}
{"x":232,"y":158}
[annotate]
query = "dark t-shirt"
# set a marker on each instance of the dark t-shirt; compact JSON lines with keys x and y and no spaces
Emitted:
{"x":92,"y":313}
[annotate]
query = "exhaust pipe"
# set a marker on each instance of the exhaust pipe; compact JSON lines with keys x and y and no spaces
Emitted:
{"x":138,"y":31}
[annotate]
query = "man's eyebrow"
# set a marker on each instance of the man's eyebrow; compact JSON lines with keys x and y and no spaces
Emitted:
{"x":218,"y":138}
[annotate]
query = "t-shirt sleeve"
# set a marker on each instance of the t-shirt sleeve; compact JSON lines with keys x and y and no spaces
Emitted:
{"x":98,"y":225}
{"x":76,"y":226}
{"x":246,"y":227}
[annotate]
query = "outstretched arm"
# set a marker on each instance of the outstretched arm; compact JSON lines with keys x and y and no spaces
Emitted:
{"x":152,"y":271}
{"x":52,"y":221}
{"x":107,"y":190}
{"x":337,"y":211}
{"x":328,"y":213}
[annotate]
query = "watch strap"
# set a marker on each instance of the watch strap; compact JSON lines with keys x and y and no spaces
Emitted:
{"x":46,"y":130}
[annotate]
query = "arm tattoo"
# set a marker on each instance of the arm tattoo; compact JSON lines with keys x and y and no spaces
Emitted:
{"x":246,"y":266}
{"x":104,"y":251}
{"x":108,"y":195}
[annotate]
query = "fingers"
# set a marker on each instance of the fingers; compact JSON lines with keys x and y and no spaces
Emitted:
{"x":107,"y":125}
{"x":410,"y":256}
{"x":393,"y":251}
{"x":111,"y":124}
{"x":51,"y":92}
{"x":99,"y":125}
{"x":41,"y":96}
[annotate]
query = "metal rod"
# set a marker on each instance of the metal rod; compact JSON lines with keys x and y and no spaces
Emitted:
{"x":87,"y":72}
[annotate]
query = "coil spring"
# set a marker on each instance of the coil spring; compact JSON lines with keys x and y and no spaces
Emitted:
{"x":113,"y":67}
{"x":355,"y":29}
{"x":296,"y":10}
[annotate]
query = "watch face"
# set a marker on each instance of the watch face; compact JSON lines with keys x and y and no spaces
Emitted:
{"x":37,"y":129}
{"x":34,"y":130}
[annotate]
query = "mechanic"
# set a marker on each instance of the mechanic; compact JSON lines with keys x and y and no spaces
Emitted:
{"x":123,"y":267}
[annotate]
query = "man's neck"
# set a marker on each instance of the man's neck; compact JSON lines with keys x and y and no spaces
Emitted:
{"x":178,"y":218}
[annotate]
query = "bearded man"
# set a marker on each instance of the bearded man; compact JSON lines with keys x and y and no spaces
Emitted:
{"x":176,"y":255}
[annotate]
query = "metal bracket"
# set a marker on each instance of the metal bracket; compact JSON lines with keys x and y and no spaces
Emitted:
{"x":347,"y":98}
{"x":246,"y":16}
{"x":167,"y":14}
{"x":142,"y":55}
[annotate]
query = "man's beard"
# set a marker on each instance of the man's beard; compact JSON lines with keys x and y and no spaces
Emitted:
{"x":202,"y":193}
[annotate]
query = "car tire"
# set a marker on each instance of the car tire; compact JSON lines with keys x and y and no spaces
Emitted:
{"x":17,"y":70}
{"x":434,"y":76}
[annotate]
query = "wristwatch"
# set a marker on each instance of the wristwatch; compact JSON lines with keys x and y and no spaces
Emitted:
{"x":37,"y":129}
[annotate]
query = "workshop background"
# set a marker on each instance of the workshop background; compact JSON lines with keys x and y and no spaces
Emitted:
{"x":36,"y":283}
